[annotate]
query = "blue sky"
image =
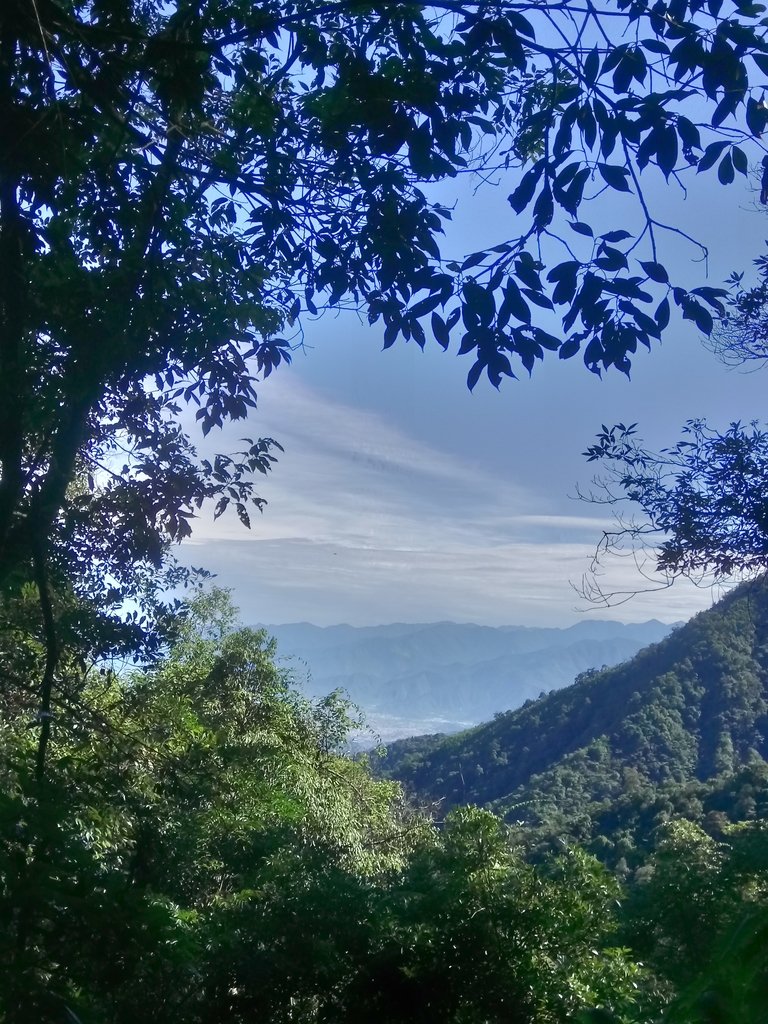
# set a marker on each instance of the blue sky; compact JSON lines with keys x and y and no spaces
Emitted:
{"x":402,"y":497}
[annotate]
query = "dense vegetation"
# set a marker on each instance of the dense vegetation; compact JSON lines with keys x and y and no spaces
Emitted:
{"x":199,"y":849}
{"x":679,"y":730}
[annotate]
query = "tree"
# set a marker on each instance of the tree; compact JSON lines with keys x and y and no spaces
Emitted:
{"x":473,"y":933}
{"x":700,"y":919}
{"x":178,"y":805}
{"x":702,"y":503}
{"x":740,"y":336}
{"x":181,"y":182}
{"x":201,"y":850}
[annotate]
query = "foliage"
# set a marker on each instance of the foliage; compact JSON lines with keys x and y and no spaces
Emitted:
{"x":699,"y":506}
{"x":701,"y":503}
{"x":678,"y":731}
{"x":476,"y":934}
{"x":656,"y":768}
{"x":181,"y":182}
{"x":740,"y":336}
{"x":702,"y":913}
{"x":199,"y":849}
{"x":168,"y":797}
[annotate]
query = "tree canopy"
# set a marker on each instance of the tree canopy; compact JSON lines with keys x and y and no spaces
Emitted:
{"x":201,"y":851}
{"x":181,"y":183}
{"x":698,"y":508}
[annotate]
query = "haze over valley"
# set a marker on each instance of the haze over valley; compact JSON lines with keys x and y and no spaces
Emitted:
{"x":444,"y":676}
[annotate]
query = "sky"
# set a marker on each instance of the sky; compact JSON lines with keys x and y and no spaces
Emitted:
{"x":401,"y":497}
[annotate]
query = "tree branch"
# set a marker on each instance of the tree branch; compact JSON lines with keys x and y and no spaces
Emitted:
{"x":12,"y":315}
{"x":44,"y":713}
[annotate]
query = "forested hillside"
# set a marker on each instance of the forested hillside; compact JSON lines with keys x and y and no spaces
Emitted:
{"x":209,"y":855}
{"x":625,"y":747}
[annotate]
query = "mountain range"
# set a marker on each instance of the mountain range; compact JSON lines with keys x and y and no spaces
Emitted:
{"x":681,"y":729}
{"x":445,"y":676}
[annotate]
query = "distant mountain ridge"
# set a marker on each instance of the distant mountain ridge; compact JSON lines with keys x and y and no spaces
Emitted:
{"x":409,"y":678}
{"x":678,"y":720}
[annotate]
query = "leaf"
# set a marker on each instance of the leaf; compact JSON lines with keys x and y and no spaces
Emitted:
{"x":614,"y":176}
{"x":544,"y":209}
{"x":712,"y":296}
{"x":425,"y":306}
{"x":391,"y":332}
{"x":473,"y":261}
{"x":474,"y":375}
{"x":623,"y":74}
{"x":666,"y":153}
{"x":440,"y":331}
{"x":656,"y":271}
{"x":569,"y":348}
{"x":526,"y":271}
{"x":242,"y":515}
{"x":521,"y":24}
{"x":689,"y":133}
{"x":571,"y":197}
{"x":593,"y":354}
{"x":739,"y":158}
{"x":725,"y":108}
{"x":479,"y":302}
{"x":523,"y":194}
{"x":693,"y":310}
{"x":563,"y":271}
{"x":513,"y":304}
{"x":655,"y":46}
{"x":725,"y":174}
{"x":711,"y":155}
{"x":453,"y":318}
{"x":566,"y":282}
{"x":756,"y":116}
{"x":646,"y":323}
{"x":538,"y":298}
{"x":591,"y":67}
{"x":548,"y":341}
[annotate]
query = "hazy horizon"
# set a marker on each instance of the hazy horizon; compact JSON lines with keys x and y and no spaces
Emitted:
{"x":454,"y":622}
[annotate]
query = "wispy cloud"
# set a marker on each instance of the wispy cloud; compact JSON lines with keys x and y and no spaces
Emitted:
{"x":347,"y":475}
{"x":367,"y":524}
{"x":528,"y":584}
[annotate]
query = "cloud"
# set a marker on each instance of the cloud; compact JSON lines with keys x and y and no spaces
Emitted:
{"x":347,"y":475}
{"x":366,"y":524}
{"x":527,"y":584}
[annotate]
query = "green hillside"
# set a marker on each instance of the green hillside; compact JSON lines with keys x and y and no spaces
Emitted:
{"x":679,"y":729}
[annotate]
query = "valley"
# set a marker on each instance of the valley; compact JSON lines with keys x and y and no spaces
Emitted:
{"x":444,"y":677}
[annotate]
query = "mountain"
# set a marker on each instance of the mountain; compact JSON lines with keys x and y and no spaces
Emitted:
{"x":679,"y":727}
{"x":445,"y":675}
